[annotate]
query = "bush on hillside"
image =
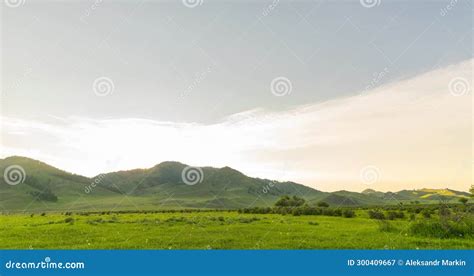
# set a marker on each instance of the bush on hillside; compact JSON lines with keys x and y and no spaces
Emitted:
{"x":443,"y":230}
{"x":348,"y":213}
{"x":376,"y":214}
{"x":323,"y":204}
{"x":391,"y":215}
{"x":286,"y":201}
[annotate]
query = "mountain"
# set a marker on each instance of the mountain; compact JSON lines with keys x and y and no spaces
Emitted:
{"x":373,"y":192}
{"x":432,"y":194}
{"x":162,"y":186}
{"x":219,"y":188}
{"x":347,"y":198}
{"x":171,"y":185}
{"x":43,"y":186}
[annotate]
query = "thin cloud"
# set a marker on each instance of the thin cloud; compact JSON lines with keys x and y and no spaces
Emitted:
{"x":415,"y":131}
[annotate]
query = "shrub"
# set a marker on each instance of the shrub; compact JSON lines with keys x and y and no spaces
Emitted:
{"x":45,"y":195}
{"x":323,"y":204}
{"x":176,"y":219}
{"x":296,"y":212}
{"x":401,"y":215}
{"x":391,"y":215}
{"x":248,"y":220}
{"x":376,"y":214}
{"x":328,"y":212}
{"x":443,"y":230}
{"x":385,"y":226}
{"x":463,"y":200}
{"x":444,"y":211}
{"x":287,"y":201}
{"x":313,"y":223}
{"x":69,"y":220}
{"x":426,"y":213}
{"x":95,"y":221}
{"x":348,"y":213}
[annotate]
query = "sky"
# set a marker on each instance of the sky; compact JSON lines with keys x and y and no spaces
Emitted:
{"x":331,"y":94}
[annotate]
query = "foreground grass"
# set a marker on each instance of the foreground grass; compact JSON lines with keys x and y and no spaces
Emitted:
{"x":211,"y":230}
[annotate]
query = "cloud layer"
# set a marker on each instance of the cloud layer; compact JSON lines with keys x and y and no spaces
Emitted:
{"x":415,"y":133}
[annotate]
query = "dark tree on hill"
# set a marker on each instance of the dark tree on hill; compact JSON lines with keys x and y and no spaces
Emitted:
{"x":472,"y":190}
{"x":286,"y":201}
{"x":463,"y":200}
{"x":323,"y":204}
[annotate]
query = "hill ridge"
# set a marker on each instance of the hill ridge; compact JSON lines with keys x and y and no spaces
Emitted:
{"x":165,"y":185}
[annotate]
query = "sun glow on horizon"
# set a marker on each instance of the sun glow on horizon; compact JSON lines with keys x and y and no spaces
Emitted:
{"x":414,"y":132}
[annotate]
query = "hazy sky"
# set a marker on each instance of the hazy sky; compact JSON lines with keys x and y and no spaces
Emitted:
{"x":376,"y":97}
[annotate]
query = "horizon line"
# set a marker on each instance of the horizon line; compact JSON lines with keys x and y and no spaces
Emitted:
{"x":173,"y":161}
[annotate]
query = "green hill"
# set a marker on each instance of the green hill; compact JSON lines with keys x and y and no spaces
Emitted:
{"x":45,"y":188}
{"x":220,"y":188}
{"x":433,"y":194}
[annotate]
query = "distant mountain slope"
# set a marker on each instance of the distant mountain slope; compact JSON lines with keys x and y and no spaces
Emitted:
{"x":433,"y":194}
{"x":422,"y":195}
{"x":162,"y":186}
{"x":45,"y":188}
{"x":353,"y":198}
{"x":373,"y":192}
{"x":219,"y":188}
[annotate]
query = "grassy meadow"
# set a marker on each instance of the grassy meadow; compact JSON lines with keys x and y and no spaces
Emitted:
{"x":228,"y":230}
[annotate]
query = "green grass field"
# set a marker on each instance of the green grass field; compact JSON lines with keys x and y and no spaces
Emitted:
{"x":211,"y":230}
